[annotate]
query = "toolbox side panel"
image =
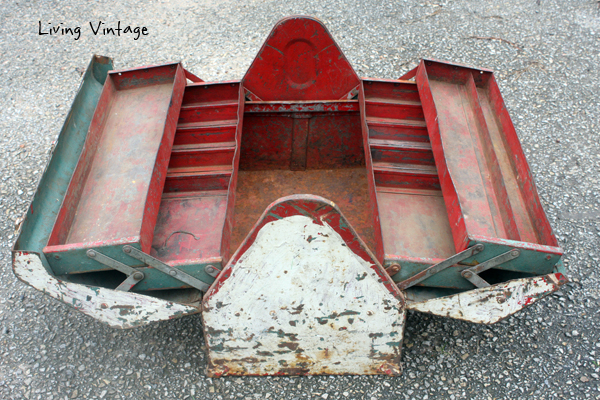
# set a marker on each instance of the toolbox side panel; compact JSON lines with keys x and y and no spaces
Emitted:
{"x":42,"y":212}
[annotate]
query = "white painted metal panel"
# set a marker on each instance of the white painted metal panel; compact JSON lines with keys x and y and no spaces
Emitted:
{"x":490,"y":304}
{"x":299,"y":301}
{"x":115,"y":308}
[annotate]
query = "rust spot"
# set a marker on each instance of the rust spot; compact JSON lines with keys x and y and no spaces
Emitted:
{"x":294,"y":371}
{"x":324,"y":354}
{"x":375,"y":335}
{"x":289,"y":345}
{"x":293,"y":323}
{"x":297,"y":310}
{"x":124,"y":307}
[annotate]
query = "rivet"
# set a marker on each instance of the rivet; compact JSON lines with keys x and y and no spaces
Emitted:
{"x":91,"y":253}
{"x":127,"y":249}
{"x":393,"y":269}
{"x":172,"y":272}
{"x":138,"y":276}
{"x":467,"y":274}
{"x":515,"y":253}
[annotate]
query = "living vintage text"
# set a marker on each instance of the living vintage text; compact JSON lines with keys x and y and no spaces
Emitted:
{"x":99,"y":28}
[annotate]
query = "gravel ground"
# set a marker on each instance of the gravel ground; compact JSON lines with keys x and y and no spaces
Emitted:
{"x":546,"y":54}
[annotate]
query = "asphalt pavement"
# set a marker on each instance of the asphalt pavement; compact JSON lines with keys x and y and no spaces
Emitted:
{"x":546,"y":57}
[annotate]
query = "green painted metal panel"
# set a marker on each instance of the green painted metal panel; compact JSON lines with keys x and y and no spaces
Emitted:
{"x":530,"y":261}
{"x":42,"y":212}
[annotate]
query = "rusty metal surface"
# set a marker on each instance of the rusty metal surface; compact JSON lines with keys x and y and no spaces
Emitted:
{"x":347,"y":188}
{"x":414,"y":223}
{"x":303,"y":295}
{"x":301,"y":140}
{"x":186,"y":227}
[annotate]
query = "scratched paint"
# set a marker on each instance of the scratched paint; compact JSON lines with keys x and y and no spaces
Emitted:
{"x":299,"y":301}
{"x":115,"y":308}
{"x":491,"y":304}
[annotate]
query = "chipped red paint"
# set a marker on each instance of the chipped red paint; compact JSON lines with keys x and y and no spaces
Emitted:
{"x":300,"y":61}
{"x":300,"y":106}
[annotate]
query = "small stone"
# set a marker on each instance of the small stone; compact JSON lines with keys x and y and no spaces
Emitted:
{"x":584,"y":379}
{"x":74,"y":394}
{"x":346,"y":394}
{"x":325,"y":395}
{"x":465,"y":356}
{"x":211,"y":389}
{"x":81,"y":367}
{"x":575,"y":333}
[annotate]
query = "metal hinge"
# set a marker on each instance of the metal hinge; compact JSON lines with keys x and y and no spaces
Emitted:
{"x":165,"y":268}
{"x":434,"y":269}
{"x":134,"y":276}
{"x":471,"y":274}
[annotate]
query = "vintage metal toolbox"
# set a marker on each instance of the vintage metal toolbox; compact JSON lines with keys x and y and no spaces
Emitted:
{"x":302,"y":210}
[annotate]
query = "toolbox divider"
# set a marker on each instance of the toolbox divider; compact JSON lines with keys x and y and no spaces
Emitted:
{"x":394,"y":109}
{"x":207,"y":112}
{"x":406,"y":152}
{"x":397,"y":130}
{"x":497,"y":194}
{"x":206,"y":132}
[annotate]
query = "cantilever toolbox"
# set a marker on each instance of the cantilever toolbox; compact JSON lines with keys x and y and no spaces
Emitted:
{"x":302,"y":210}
